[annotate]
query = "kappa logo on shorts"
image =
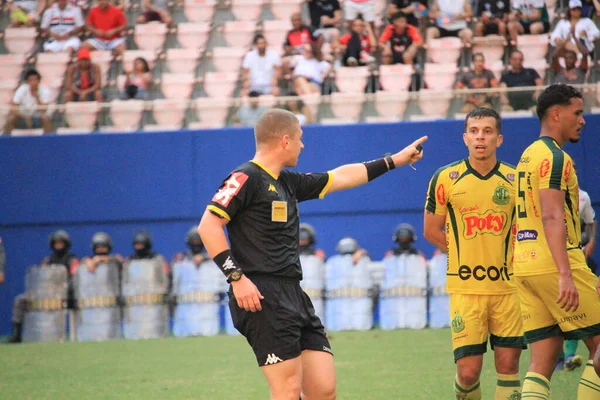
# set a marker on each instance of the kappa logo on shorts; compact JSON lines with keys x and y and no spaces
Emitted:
{"x":272,"y":359}
{"x":458,"y":324}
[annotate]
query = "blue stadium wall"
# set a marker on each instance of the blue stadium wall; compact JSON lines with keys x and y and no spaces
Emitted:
{"x":162,"y":181}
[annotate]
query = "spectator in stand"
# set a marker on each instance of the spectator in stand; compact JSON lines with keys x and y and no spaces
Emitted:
{"x":358,"y":45}
{"x":62,"y":23}
{"x":309,"y":70}
{"x":249,"y":112}
{"x":138,"y":80}
{"x":25,"y":12}
{"x":261,"y":69}
{"x":84,"y":80}
{"x":591,"y":8}
{"x":155,"y":11}
{"x":519,"y":76}
{"x":30,"y":105}
{"x":400,"y":41}
{"x":493,"y":16}
{"x":299,"y":36}
{"x":528,"y":17}
{"x":450,"y":18}
{"x":575,"y":31}
{"x":413,"y":10}
{"x":570,"y":74}
{"x":325,"y":18}
{"x":354,"y":9}
{"x":477,"y":78}
{"x":106,"y":22}
{"x":299,"y":109}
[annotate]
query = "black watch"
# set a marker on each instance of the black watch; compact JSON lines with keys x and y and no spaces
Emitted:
{"x":390,"y":161}
{"x":235,"y":276}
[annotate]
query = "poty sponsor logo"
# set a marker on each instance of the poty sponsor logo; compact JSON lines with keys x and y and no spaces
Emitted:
{"x":230,"y":188}
{"x":544,"y":168}
{"x":441,"y":195}
{"x":567,"y":171}
{"x":528,"y":234}
{"x":489,"y":222}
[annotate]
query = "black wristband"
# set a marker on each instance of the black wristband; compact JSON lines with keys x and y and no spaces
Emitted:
{"x":376,"y":168}
{"x":390,"y":161}
{"x":226,"y":262}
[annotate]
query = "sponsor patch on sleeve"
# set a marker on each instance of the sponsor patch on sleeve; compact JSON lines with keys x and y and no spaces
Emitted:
{"x":230,"y":188}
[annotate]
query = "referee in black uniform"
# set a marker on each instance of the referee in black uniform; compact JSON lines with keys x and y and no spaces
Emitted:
{"x":258,"y":202}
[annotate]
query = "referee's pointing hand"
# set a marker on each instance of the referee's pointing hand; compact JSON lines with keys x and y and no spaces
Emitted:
{"x":247,"y":295}
{"x":411,"y":153}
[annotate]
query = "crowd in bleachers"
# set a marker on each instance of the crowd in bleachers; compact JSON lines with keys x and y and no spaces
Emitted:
{"x":76,"y":66}
{"x":106,"y":293}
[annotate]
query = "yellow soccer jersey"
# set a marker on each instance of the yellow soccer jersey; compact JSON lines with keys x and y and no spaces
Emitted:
{"x":479,"y":214}
{"x":544,"y":165}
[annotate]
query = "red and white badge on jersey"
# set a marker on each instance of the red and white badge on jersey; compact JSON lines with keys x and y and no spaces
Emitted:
{"x":230,"y":188}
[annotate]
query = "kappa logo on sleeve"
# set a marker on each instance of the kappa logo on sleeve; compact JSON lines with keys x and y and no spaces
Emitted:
{"x":230,"y":188}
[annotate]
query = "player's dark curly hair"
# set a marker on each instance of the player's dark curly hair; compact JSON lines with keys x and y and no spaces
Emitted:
{"x":556,"y":95}
{"x":483,"y":112}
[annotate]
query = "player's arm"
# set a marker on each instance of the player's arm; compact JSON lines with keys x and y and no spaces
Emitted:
{"x":592,"y":232}
{"x":352,"y":175}
{"x":433,"y":230}
{"x":552,"y":205}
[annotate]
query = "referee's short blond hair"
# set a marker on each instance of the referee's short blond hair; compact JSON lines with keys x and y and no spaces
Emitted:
{"x":274,"y":124}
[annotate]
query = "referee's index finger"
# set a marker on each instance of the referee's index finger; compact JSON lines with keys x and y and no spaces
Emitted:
{"x":420,"y":140}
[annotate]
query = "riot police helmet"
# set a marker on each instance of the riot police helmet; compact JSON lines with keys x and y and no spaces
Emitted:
{"x":346,"y":246}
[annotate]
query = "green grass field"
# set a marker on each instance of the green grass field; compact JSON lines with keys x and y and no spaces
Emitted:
{"x":403,"y":364}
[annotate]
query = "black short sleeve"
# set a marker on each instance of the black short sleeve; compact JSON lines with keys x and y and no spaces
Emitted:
{"x":309,"y":186}
{"x":232,"y":195}
{"x":534,"y":74}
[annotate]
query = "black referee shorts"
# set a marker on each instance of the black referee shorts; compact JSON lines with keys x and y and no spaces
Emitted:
{"x":285,"y":326}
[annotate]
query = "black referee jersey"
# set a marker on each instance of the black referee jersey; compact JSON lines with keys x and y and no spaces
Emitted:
{"x":263,"y":216}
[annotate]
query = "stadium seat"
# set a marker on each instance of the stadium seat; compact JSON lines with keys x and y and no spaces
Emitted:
{"x":275,"y":31}
{"x":381,"y":120}
{"x":169,"y":111}
{"x":52,"y":65}
{"x":239,"y":33}
{"x":228,"y":59}
{"x":72,"y":131}
{"x":182,"y":61}
{"x":516,"y":114}
{"x":246,"y":10}
{"x":395,"y":77}
{"x":347,"y":104}
{"x":444,"y":50}
{"x":55,"y":85}
{"x":129,"y":57}
{"x":380,"y":8}
{"x":199,"y":10}
{"x":11,"y":66}
{"x":312,"y":101}
{"x":492,"y":47}
{"x":540,"y":65}
{"x":117,"y":129}
{"x":434,"y":102}
{"x":126,"y":114}
{"x":266,"y":100}
{"x":598,"y":92}
{"x":193,"y":35}
{"x":177,"y":86}
{"x":391,"y":104}
{"x":534,"y":47}
{"x":103,"y":59}
{"x":352,"y":79}
{"x":338,"y":121}
{"x":497,"y":67}
{"x":205,"y":125}
{"x":20,"y":40}
{"x":424,"y":118}
{"x":27,"y":132}
{"x":82,"y":115}
{"x":7,"y":90}
{"x":218,"y":84}
{"x":212,"y":111}
{"x":440,"y":76}
{"x":283,"y":9}
{"x":150,"y":36}
{"x":160,"y":128}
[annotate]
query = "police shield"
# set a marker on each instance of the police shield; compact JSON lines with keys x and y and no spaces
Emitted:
{"x":313,"y":281}
{"x":46,"y":289}
{"x":439,"y":301}
{"x":348,"y":305}
{"x":196,"y":289}
{"x":97,"y":293}
{"x":145,"y":314}
{"x":403,"y":297}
